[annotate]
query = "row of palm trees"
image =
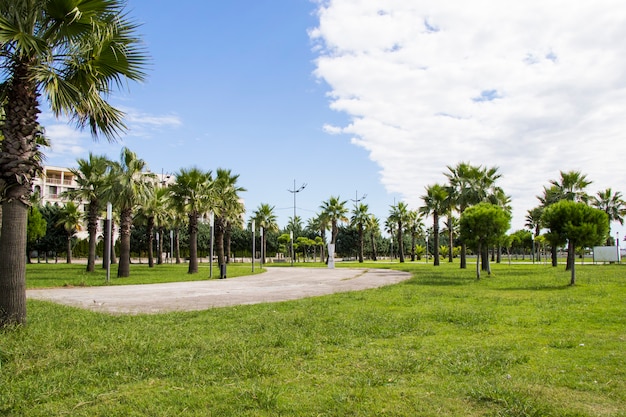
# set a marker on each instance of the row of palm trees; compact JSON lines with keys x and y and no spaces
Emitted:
{"x":136,"y":194}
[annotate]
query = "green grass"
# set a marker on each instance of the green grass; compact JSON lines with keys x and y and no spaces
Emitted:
{"x":74,"y":275}
{"x":518,"y":343}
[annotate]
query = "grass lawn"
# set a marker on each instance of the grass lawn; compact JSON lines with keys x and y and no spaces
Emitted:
{"x":518,"y":343}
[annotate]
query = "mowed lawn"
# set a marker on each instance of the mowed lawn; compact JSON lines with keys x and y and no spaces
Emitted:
{"x":518,"y":343}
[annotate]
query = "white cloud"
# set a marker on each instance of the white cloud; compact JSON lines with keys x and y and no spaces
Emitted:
{"x":533,"y":87}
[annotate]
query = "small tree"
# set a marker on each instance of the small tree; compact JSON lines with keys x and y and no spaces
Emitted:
{"x":482,"y":225}
{"x":578,"y":224}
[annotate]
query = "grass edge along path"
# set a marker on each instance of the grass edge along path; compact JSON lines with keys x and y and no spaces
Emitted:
{"x":518,"y":343}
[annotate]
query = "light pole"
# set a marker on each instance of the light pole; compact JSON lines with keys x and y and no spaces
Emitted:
{"x":293,"y":226}
{"x":357,"y":199}
{"x":211,"y":223}
{"x":426,"y":247}
{"x":253,"y":244}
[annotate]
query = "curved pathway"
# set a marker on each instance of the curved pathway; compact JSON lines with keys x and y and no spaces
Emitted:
{"x":277,"y":284}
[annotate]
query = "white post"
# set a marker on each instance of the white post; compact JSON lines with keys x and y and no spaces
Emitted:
{"x":171,"y":244}
{"x":262,"y":247}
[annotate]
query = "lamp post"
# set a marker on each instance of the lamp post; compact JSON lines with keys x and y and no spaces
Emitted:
{"x":426,"y":247}
{"x":107,"y":243}
{"x":211,"y":223}
{"x":293,"y":226}
{"x":253,"y":244}
{"x":262,"y":246}
{"x":357,"y":200}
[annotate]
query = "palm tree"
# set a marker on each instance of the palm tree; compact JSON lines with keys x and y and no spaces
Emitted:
{"x":70,"y":220}
{"x":154,"y":214}
{"x":533,"y":222}
{"x":130,"y":188}
{"x":372,"y":227}
{"x":414,"y":226}
{"x":90,"y":177}
{"x":73,"y":54}
{"x":469,"y":185}
{"x":359,"y":221}
{"x":399,"y":214}
{"x":571,"y":186}
{"x":319,"y":223}
{"x":613,"y":205}
{"x":227,"y":208}
{"x":264,"y":217}
{"x":191,"y":194}
{"x":336,"y":212}
{"x":435,"y":201}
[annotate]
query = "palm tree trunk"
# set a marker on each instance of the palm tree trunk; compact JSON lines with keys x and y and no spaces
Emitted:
{"x":113,"y":257}
{"x":177,"y":244}
{"x":68,"y":252}
{"x":126,"y":220}
{"x":450,"y":240}
{"x":193,"y":244}
{"x":227,"y":241}
{"x":463,"y":255}
{"x":161,"y":238}
{"x":106,"y":255}
{"x":92,"y":228}
{"x":436,"y":239}
{"x":361,"y":243}
{"x":373,"y":246}
{"x":12,"y":263}
{"x":400,"y":243}
{"x":149,"y":235}
{"x":478,"y":262}
{"x":219,"y":242}
{"x":571,"y":255}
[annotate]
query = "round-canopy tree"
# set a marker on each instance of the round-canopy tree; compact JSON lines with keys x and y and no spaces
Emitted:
{"x":575,"y":223}
{"x":482,"y":225}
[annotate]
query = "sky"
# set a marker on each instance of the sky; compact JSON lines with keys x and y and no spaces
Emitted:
{"x":362,"y":98}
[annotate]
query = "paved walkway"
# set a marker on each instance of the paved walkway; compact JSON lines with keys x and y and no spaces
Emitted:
{"x":277,"y":284}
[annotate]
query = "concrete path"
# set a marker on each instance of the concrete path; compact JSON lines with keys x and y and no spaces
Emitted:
{"x":277,"y":284}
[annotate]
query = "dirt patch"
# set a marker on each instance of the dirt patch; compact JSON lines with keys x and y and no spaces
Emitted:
{"x":277,"y":284}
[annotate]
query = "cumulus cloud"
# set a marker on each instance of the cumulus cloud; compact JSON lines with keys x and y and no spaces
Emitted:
{"x":532,"y":87}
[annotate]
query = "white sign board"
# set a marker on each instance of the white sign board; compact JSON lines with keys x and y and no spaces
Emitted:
{"x":606,"y":254}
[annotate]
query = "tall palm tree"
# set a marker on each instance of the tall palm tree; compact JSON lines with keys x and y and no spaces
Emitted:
{"x":70,"y":219}
{"x":130,"y":187}
{"x":154,"y":214}
{"x":227,"y":208}
{"x":359,"y":221}
{"x":71,"y":53}
{"x":265,"y":217}
{"x":435,"y":203}
{"x":414,"y":226}
{"x":399,"y":214}
{"x":613,"y":205}
{"x":191,"y":194}
{"x":90,"y":177}
{"x":533,"y":222}
{"x":469,"y":185}
{"x":319,"y":223}
{"x":336,"y":212}
{"x":372,"y":227}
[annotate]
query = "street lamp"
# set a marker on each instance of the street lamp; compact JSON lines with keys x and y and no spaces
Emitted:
{"x":293,"y":226}
{"x":253,"y":244}
{"x":357,"y":199}
{"x":211,"y":223}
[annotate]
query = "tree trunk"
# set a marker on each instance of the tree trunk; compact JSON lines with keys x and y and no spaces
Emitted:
{"x":126,"y":220}
{"x":113,"y":257}
{"x":484,"y":255}
{"x":149,"y":235}
{"x":478,"y":262}
{"x":106,"y":250}
{"x":13,"y":263}
{"x":361,"y":243}
{"x":450,"y":241}
{"x":177,"y":244}
{"x":92,"y":228}
{"x":219,"y":242}
{"x":373,"y":246}
{"x":227,"y":241}
{"x":193,"y":244}
{"x":436,"y":239}
{"x":400,"y":243}
{"x":161,"y":238}
{"x":553,"y":252}
{"x":571,"y":256}
{"x":68,"y":252}
{"x":463,"y":255}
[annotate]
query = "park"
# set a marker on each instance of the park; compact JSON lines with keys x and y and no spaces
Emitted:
{"x":110,"y":305}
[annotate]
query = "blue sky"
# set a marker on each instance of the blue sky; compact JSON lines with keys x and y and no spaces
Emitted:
{"x":376,"y":98}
